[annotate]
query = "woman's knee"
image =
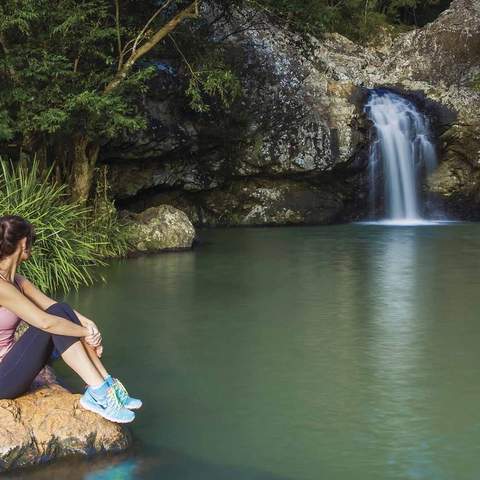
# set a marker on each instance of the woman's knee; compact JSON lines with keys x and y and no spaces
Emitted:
{"x":56,"y":307}
{"x":63,"y":309}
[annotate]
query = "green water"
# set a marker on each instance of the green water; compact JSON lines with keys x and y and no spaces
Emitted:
{"x":340,"y":352}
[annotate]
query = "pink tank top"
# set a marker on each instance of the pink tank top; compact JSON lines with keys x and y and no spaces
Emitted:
{"x":8,"y":324}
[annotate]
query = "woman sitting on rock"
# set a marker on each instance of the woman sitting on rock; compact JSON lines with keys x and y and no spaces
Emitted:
{"x":51,"y":325}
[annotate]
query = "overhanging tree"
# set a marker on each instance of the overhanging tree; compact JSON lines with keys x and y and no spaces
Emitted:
{"x":69,"y":75}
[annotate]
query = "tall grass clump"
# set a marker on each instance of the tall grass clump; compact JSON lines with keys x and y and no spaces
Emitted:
{"x":72,"y":237}
{"x":103,"y":223}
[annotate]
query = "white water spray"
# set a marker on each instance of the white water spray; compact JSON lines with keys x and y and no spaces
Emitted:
{"x":401,"y":152}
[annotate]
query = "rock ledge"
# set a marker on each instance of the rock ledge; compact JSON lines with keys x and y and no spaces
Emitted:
{"x":48,"y":423}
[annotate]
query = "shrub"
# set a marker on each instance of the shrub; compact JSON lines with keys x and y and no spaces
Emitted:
{"x":72,"y":238}
{"x":104,"y":224}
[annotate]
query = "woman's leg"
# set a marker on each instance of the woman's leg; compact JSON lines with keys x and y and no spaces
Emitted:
{"x":23,"y":362}
{"x":31,"y":352}
{"x":77,"y":359}
{"x":95,"y":360}
{"x":100,"y":397}
{"x":72,"y":349}
{"x":68,"y":311}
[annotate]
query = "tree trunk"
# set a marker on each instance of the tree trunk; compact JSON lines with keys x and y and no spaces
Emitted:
{"x":84,"y":157}
{"x":61,"y":156}
{"x":41,"y":155}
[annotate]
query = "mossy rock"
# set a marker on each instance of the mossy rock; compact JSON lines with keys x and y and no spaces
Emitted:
{"x":158,"y":228}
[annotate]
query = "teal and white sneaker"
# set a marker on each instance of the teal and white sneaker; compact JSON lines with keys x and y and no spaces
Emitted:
{"x":108,"y":406}
{"x":125,"y":399}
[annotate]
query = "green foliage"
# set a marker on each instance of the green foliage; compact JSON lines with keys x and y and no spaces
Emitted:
{"x":359,"y":20}
{"x":6,"y":130}
{"x":56,"y":59}
{"x":212,"y":82}
{"x":211,"y":79}
{"x":111,"y":236}
{"x":71,"y":237}
{"x":310,"y":16}
{"x":59,"y":57}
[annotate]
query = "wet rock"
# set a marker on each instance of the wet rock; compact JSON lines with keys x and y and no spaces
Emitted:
{"x":456,"y":183}
{"x":159,"y":228}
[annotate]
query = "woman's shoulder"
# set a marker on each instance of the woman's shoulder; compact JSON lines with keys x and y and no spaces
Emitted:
{"x":19,"y":280}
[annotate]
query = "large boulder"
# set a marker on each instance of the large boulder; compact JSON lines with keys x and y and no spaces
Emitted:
{"x":300,"y":119}
{"x":445,"y":52}
{"x":47,"y":423}
{"x":160,"y":228}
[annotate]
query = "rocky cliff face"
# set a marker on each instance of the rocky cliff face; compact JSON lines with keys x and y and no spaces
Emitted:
{"x":294,"y":148}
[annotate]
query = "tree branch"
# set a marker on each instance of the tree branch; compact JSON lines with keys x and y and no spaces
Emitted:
{"x":190,"y":11}
{"x":152,"y":18}
{"x":119,"y":39}
{"x":183,"y":56}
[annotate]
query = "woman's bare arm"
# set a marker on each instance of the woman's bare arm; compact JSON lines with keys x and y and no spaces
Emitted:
{"x":33,"y":293}
{"x":28,"y":311}
{"x":42,"y":300}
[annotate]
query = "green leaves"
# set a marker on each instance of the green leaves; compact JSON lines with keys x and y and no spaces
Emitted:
{"x":359,"y":20}
{"x":17,"y":15}
{"x":60,"y":57}
{"x":71,"y":237}
{"x":210,"y":77}
{"x":50,"y":120}
{"x":6,"y":130}
{"x":217,"y":82}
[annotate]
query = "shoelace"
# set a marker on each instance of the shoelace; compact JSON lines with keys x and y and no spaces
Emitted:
{"x":112,"y":399}
{"x":121,"y":390}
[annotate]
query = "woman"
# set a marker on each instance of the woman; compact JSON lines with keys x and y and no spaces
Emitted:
{"x":52,"y":325}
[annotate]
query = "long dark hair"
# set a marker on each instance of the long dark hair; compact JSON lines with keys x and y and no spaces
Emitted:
{"x":12,"y":229}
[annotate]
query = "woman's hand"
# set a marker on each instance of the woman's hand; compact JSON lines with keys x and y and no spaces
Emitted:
{"x":94,"y":338}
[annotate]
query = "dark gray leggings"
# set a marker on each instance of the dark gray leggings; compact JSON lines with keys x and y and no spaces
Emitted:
{"x":32,"y":352}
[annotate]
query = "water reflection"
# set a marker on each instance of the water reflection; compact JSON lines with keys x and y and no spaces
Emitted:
{"x":121,"y":471}
{"x":395,"y":350}
{"x":147,"y":465}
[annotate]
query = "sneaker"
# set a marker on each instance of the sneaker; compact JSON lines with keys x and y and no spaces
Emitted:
{"x":108,"y":406}
{"x":122,"y":395}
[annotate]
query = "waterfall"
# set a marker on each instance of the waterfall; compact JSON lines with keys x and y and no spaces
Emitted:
{"x":401,"y":152}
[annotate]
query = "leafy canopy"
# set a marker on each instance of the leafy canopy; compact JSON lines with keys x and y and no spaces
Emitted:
{"x":56,"y":58}
{"x":357,"y":19}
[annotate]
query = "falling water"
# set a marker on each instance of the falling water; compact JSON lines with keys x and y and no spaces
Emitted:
{"x":401,"y":152}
